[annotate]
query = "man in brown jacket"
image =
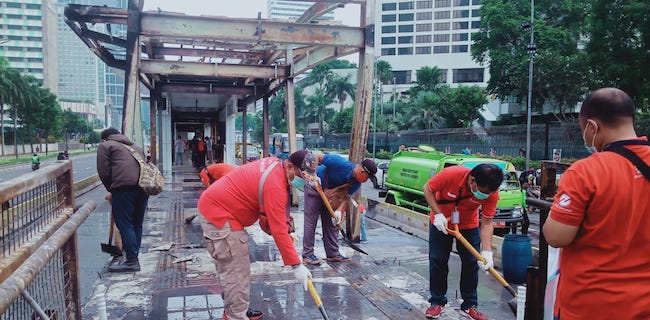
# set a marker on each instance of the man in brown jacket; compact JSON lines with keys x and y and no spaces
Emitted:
{"x":119,"y":172}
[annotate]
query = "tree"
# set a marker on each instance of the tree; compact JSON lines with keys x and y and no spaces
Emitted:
{"x":428,"y":79}
{"x":560,"y":72}
{"x":317,"y":107}
{"x":462,"y":105}
{"x":384,"y":72}
{"x":339,"y":88}
{"x":618,"y":46}
{"x":342,"y":121}
{"x":424,"y":109}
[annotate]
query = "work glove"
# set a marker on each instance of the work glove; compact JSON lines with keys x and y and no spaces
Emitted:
{"x":440,"y":222}
{"x":294,"y":238}
{"x":489,"y":263}
{"x":314,"y":181}
{"x":338,"y":218}
{"x":302,"y":273}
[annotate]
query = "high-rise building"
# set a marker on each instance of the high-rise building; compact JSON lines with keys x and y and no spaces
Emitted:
{"x":28,"y":37}
{"x":291,"y":10}
{"x":82,"y":75}
{"x":414,"y":34}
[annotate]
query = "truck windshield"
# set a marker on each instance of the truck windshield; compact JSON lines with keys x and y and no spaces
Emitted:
{"x":510,"y":181}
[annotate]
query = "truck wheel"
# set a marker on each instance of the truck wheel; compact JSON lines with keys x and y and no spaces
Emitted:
{"x":501,"y":231}
{"x":390,"y":198}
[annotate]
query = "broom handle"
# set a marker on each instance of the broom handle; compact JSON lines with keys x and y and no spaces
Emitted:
{"x":110,"y":232}
{"x":327,"y":204}
{"x":479,"y":257}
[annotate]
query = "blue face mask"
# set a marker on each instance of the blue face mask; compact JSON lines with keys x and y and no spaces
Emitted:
{"x":298,"y":183}
{"x":591,"y":149}
{"x":480,"y":195}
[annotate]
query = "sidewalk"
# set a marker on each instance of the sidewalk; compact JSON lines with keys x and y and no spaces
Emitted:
{"x":179,"y":283}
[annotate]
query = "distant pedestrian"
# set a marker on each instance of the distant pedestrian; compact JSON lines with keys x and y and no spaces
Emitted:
{"x":179,"y":149}
{"x":600,"y":217}
{"x":208,"y":150}
{"x":119,"y":172}
{"x":334,"y":172}
{"x":237,"y":201}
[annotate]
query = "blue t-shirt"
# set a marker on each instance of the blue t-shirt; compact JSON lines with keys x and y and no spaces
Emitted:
{"x":339,"y":172}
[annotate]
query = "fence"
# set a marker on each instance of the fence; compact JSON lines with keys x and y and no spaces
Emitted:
{"x":503,"y":140}
{"x":39,"y":276}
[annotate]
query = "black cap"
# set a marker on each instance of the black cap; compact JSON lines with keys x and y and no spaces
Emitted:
{"x":304,"y":160}
{"x":108,"y":132}
{"x":369,"y":166}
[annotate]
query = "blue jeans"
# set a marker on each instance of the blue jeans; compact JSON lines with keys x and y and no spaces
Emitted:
{"x":179,"y":158}
{"x":129,"y":205}
{"x":439,"y":250}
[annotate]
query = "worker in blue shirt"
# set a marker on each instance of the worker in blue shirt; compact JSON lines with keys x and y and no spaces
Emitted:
{"x":344,"y":177}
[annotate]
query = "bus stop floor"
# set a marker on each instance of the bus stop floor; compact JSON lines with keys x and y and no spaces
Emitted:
{"x":178,"y":277}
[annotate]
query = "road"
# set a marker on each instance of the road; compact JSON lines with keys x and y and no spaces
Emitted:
{"x":83,"y":166}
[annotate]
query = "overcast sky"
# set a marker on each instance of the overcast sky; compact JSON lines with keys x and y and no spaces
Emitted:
{"x":237,"y":8}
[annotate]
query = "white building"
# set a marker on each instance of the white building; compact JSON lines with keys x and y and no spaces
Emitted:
{"x":28,"y":39}
{"x":414,"y":34}
{"x":87,"y":110}
{"x":290,"y":10}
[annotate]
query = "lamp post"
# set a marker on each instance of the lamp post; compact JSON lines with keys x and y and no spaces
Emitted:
{"x":394,"y":95}
{"x":374,"y":114}
{"x":530,"y":25}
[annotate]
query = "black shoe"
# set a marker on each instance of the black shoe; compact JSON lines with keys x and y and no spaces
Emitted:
{"x":254,"y":314}
{"x":126,"y":266}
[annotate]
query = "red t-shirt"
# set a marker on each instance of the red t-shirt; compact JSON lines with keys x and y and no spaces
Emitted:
{"x":449,"y":184}
{"x":605,"y":272}
{"x":216,"y":171}
{"x":234,"y":198}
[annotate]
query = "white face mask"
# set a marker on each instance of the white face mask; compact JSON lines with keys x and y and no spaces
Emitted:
{"x":591,"y":149}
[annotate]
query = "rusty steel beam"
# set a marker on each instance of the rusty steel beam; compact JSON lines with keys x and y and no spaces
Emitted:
{"x":362,"y":109}
{"x":95,"y":14}
{"x":130,"y":125}
{"x":212,"y":69}
{"x":98,"y":50}
{"x":212,"y":53}
{"x":250,"y":30}
{"x":320,"y":55}
{"x":206,"y":88}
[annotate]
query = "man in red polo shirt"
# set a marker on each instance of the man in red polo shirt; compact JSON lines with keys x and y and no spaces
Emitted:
{"x":600,"y":217}
{"x":460,"y":189}
{"x":233,"y":203}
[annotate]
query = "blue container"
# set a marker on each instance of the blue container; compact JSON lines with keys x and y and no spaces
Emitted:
{"x":516,"y":256}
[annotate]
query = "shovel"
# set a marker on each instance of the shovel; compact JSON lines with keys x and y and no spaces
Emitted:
{"x":340,"y":227}
{"x":316,"y":297}
{"x":109,"y":248}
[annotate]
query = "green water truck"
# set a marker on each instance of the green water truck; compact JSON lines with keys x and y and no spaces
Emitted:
{"x":410,"y":169}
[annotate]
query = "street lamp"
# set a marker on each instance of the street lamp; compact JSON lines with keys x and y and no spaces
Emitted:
{"x":531,"y":48}
{"x":394,"y":96}
{"x":374,"y":114}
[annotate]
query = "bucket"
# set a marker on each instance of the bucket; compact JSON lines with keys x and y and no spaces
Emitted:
{"x":516,"y":255}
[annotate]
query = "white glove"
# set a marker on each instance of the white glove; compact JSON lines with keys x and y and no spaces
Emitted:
{"x":294,"y":237}
{"x":489,"y":263}
{"x":314,"y":181}
{"x":337,"y":220}
{"x":440,"y":222}
{"x":302,"y":273}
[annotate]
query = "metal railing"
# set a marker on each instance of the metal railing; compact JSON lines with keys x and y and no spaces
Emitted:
{"x":39,"y":276}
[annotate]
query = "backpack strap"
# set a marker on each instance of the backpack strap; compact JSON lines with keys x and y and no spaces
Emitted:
{"x":618,"y":147}
{"x":260,"y":187}
{"x":134,"y":153}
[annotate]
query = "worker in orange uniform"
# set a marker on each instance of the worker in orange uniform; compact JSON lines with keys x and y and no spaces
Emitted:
{"x":258,"y":190}
{"x":599,"y":217}
{"x":210,"y":174}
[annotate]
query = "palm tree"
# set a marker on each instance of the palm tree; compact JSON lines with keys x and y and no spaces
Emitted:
{"x":384,"y":72}
{"x":424,"y":110}
{"x":428,"y":79}
{"x":316,"y":107}
{"x":338,"y":88}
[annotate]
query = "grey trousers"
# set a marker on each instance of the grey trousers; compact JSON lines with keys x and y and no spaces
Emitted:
{"x":314,"y":208}
{"x":229,"y":249}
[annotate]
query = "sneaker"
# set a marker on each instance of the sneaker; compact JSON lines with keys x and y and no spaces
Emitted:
{"x":126,"y":266}
{"x":250,"y":314}
{"x":434,"y":311}
{"x":339,"y":258}
{"x":311,"y":260}
{"x":472,"y":313}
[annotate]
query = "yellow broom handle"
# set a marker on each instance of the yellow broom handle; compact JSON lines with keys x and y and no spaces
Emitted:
{"x":314,"y":294}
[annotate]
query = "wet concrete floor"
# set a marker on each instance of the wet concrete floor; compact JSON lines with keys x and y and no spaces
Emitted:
{"x":180,"y":283}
